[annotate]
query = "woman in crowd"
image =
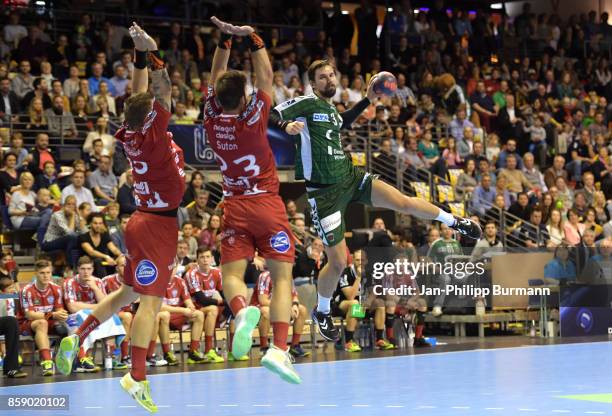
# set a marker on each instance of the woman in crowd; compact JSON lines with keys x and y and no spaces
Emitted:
{"x":196,"y":185}
{"x":22,"y":206}
{"x":9,"y":177}
{"x":209,"y":235}
{"x":63,"y":231}
{"x":556,"y":228}
{"x":466,"y":182}
{"x":101,"y":132}
{"x":573,"y":228}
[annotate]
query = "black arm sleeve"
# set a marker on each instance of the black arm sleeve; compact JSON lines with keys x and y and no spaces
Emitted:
{"x":274,"y":120}
{"x":203,"y":299}
{"x":349,"y":116}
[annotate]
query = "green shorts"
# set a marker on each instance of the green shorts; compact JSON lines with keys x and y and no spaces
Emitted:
{"x":328,"y":205}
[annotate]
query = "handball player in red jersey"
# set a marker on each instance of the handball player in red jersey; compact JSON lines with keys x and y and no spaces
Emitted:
{"x":151,"y":234}
{"x":254,"y":216}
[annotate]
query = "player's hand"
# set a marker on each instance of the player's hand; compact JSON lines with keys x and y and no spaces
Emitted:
{"x":295,"y":311}
{"x":142,"y":40}
{"x":295,"y":127}
{"x":187,"y":312}
{"x":232,"y":29}
{"x":259,"y":263}
{"x":370,"y":92}
{"x":60,"y":315}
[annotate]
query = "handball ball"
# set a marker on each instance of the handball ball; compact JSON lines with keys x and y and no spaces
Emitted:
{"x":384,"y":83}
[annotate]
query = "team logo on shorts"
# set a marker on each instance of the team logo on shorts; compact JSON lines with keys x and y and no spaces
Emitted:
{"x":174,"y":293}
{"x":146,"y":272}
{"x":280,"y":242}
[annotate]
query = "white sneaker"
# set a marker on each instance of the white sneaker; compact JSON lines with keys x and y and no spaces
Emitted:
{"x":156,"y":362}
{"x":437,"y":311}
{"x":280,"y":362}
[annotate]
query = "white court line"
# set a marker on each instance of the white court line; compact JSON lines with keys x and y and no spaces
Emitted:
{"x":595,"y":413}
{"x":328,"y":405}
{"x":228,"y":405}
{"x":360,"y":405}
{"x":394,"y":406}
{"x":262,"y":405}
{"x":420,"y":356}
{"x":561,"y":411}
{"x":295,"y":405}
{"x":127,"y":407}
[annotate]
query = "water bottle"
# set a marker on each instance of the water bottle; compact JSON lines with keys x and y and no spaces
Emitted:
{"x":224,"y":349}
{"x":480,"y":307}
{"x":108,"y":362}
{"x":532,"y":330}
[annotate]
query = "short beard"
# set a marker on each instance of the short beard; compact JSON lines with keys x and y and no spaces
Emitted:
{"x":328,"y":92}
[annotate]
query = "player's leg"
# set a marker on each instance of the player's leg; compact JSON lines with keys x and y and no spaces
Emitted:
{"x":264,"y":328}
{"x":163,"y":322}
{"x":419,"y":304}
{"x":298,"y":329}
{"x":142,"y":328}
{"x":390,"y":303}
{"x":210,"y":323}
{"x":197,"y":327}
{"x":277,"y":359}
{"x":126,"y":320}
{"x":235,"y":290}
{"x":351,"y":324}
{"x":378,"y":306}
{"x":386,"y":196}
{"x":69,"y":347}
{"x":152,"y":359}
{"x":40,"y":329}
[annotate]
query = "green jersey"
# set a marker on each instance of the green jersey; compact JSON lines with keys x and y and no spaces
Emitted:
{"x":440,"y":249}
{"x":320,"y":157}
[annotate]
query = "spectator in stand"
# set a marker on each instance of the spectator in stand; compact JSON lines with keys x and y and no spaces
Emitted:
{"x":22,"y":206}
{"x":535,"y":237}
{"x":97,"y":244}
{"x":118,"y":237}
{"x":517,"y":182}
{"x":40,"y":154}
{"x":582,"y":154}
{"x":483,"y":195}
{"x":281,"y":92}
{"x":71,"y":84}
{"x":410,"y":157}
{"x":77,"y":189}
{"x":187,"y":234}
{"x":60,"y":121}
{"x":23,"y":83}
{"x":125,"y":195}
{"x":598,"y":270}
{"x":521,"y":208}
{"x":561,"y":266}
{"x":100,"y":133}
{"x":13,"y":32}
{"x":552,"y":173}
{"x":564,"y":194}
{"x":533,"y":174}
{"x":103,"y":182}
{"x":102,"y":110}
{"x":10,"y":106}
{"x":466,"y":182}
{"x":379,"y":128}
{"x":81,"y":117}
{"x":96,"y":78}
{"x":105,"y":93}
{"x":292,"y":211}
{"x":195,"y":186}
{"x":34,"y":121}
{"x":489,"y":244}
{"x":384,"y":164}
{"x":602,"y":214}
{"x":40,"y":91}
{"x":309,"y":263}
{"x":451,"y":154}
{"x":210,"y":235}
{"x":47,"y":178}
{"x":9,"y":177}
{"x":484,"y":105}
{"x":92,"y":159}
{"x":573,"y":228}
{"x":63,"y":231}
{"x":429,"y":149}
{"x":556,"y":228}
{"x":57,"y":91}
{"x":199,"y":213}
{"x":580,"y":204}
{"x":459,"y":123}
{"x":119,"y":82}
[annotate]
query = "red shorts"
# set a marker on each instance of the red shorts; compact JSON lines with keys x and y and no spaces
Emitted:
{"x":256,"y":223}
{"x":151,"y":241}
{"x":177,"y":320}
{"x":25,"y":327}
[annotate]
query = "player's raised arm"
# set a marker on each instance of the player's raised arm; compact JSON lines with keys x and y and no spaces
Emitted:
{"x":261,"y":63}
{"x":140,"y":81}
{"x":222,"y":51}
{"x":160,"y":80}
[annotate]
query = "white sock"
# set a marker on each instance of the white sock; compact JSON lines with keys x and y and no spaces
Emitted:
{"x":323,"y":304}
{"x":446,"y":217}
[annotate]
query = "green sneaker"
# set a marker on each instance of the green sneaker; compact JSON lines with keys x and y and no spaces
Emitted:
{"x":280,"y":363}
{"x":170,"y":358}
{"x":87,"y":365}
{"x":196,"y":357}
{"x":47,"y":368}
{"x":212,"y":357}
{"x":119,"y":365}
{"x":246,"y":321}
{"x":383,"y":344}
{"x":68,"y":350}
{"x":140,"y":391}
{"x":230,"y":357}
{"x":352,"y":346}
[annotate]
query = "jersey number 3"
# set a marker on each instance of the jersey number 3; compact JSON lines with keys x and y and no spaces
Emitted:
{"x":251,"y":168}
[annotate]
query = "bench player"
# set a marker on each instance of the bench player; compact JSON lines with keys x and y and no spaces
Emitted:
{"x":150,"y":235}
{"x":254,"y":213}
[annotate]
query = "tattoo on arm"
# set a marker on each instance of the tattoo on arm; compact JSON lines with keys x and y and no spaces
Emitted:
{"x":162,"y":87}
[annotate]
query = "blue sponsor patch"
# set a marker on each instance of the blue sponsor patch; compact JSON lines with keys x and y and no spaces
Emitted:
{"x":320,"y":117}
{"x":146,"y":272}
{"x":280,"y":242}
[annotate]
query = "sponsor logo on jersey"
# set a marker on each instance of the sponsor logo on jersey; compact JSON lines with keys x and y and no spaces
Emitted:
{"x":320,"y":117}
{"x":50,"y":299}
{"x":174,"y":293}
{"x":255,"y":118}
{"x":280,"y":242}
{"x":146,"y":272}
{"x":211,"y":284}
{"x":140,"y":167}
{"x":331,"y":222}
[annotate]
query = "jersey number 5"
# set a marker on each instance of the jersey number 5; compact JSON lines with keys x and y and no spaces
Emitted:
{"x":251,"y":166}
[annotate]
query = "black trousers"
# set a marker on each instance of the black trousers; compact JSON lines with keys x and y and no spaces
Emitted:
{"x":9,"y":327}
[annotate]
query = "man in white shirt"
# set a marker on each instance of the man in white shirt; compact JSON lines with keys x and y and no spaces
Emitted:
{"x":77,"y":189}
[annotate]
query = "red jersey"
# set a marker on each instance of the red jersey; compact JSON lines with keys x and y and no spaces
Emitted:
{"x":35,"y":300}
{"x":75,"y":292}
{"x":112,"y":283}
{"x":264,"y":287}
{"x":176,"y":292}
{"x":241,"y":146}
{"x":205,"y":282}
{"x":157,"y":162}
